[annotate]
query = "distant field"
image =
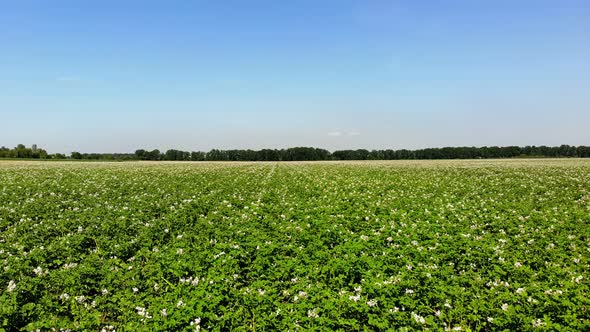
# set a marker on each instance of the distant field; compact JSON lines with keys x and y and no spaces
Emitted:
{"x":181,"y":246}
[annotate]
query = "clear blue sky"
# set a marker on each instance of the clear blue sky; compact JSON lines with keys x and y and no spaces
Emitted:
{"x":114,"y":76}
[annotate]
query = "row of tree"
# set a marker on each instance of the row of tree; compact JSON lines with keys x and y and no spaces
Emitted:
{"x":290,"y":154}
{"x":307,"y":153}
{"x":21,"y":151}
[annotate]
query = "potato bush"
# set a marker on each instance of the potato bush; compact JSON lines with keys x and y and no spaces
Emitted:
{"x":348,"y":246}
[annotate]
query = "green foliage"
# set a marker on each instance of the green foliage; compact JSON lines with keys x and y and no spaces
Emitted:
{"x":471,"y":245}
{"x":21,"y":151}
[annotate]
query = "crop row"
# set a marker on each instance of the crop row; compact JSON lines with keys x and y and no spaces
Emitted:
{"x":295,"y":246}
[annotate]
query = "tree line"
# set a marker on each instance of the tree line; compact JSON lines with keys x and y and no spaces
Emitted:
{"x":309,"y":153}
{"x":21,"y":151}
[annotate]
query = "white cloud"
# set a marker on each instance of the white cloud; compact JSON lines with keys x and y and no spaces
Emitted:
{"x":344,"y":133}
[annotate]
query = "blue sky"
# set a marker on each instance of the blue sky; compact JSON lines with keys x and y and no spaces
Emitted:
{"x":114,"y":76}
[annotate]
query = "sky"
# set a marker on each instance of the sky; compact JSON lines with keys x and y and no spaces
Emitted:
{"x":116,"y":76}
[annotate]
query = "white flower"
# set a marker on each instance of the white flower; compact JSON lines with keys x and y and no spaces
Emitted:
{"x":64,"y":297}
{"x":80,"y":299}
{"x":437,"y":313}
{"x":180,"y":304}
{"x":135,"y":289}
{"x":105,"y":291}
{"x":143,"y":312}
{"x":409,"y":291}
{"x":179,"y":251}
{"x":70,"y":265}
{"x":11,"y":286}
{"x":39,"y":271}
{"x":553,"y":292}
{"x":517,"y":264}
{"x":261,"y":291}
{"x":520,"y":290}
{"x":313,"y":313}
{"x":354,"y":298}
{"x":195,"y":281}
{"x":418,"y":318}
{"x":538,"y":323}
{"x":163,"y":312}
{"x":156,"y":287}
{"x":490,"y":319}
{"x":505,"y":306}
{"x":372,"y":303}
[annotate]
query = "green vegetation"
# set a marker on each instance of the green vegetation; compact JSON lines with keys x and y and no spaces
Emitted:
{"x":22,"y":152}
{"x":471,"y":245}
{"x":313,"y":154}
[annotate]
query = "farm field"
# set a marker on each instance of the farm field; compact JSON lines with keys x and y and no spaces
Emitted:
{"x":349,"y":246}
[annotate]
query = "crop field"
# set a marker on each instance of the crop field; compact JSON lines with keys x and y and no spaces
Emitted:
{"x":348,"y":246}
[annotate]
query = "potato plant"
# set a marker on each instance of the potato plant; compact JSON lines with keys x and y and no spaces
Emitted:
{"x":345,"y":246}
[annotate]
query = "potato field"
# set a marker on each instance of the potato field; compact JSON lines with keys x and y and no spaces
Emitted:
{"x":328,"y":246}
